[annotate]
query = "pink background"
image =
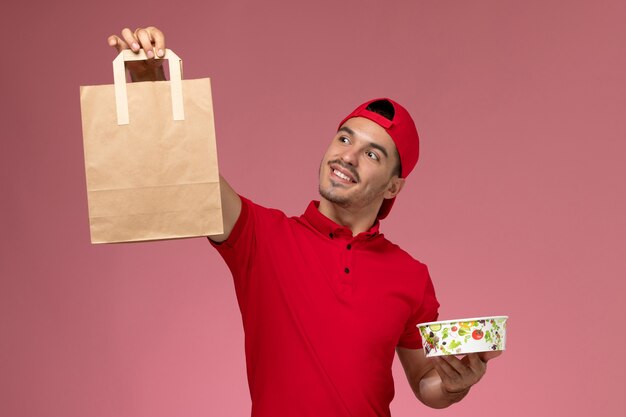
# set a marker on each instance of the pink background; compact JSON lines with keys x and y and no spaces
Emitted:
{"x":517,"y":204}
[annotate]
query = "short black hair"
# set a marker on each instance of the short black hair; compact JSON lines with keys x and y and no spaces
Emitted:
{"x":385,"y":109}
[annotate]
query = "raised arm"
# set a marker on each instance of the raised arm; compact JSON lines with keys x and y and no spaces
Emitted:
{"x":231,"y":208}
{"x":152,"y":40}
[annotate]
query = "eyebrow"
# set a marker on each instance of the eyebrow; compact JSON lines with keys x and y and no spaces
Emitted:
{"x":371,"y":144}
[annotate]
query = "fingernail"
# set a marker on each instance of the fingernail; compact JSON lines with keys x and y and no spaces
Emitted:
{"x":135,"y":46}
{"x":160,"y":52}
{"x":150,"y":54}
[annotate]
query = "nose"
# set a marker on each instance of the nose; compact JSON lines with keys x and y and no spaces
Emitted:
{"x":349,"y":156}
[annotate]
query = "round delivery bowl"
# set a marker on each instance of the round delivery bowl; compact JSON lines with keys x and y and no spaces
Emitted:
{"x":461,"y":336}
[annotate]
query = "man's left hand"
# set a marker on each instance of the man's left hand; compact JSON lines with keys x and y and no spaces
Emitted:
{"x":458,"y":375}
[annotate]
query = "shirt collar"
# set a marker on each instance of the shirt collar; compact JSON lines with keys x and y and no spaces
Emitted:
{"x":329,"y":228}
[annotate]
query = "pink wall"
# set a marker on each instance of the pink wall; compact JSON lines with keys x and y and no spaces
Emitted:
{"x":517,"y":204}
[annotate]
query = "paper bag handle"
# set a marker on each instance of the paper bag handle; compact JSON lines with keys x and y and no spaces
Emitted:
{"x":119,"y":78}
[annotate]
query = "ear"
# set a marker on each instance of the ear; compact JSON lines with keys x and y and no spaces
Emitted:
{"x":394,"y":187}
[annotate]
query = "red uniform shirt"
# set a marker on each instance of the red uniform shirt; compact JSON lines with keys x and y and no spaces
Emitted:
{"x":322,"y":312}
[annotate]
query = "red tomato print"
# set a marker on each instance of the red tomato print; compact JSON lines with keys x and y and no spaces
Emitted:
{"x":477,"y":334}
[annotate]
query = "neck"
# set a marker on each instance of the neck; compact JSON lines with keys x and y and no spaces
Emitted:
{"x":357,"y":220}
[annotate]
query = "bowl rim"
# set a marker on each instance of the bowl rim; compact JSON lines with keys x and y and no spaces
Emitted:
{"x":462,"y":320}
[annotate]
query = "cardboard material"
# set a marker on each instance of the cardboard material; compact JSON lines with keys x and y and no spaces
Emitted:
{"x":150,"y":157}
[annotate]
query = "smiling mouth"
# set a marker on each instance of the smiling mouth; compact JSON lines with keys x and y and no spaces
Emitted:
{"x":342,"y":175}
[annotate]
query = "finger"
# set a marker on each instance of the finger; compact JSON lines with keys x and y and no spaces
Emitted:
{"x":158,"y":38}
{"x":476,"y":364}
{"x":145,"y":40}
{"x":451,"y":381}
{"x":487,"y":356}
{"x":117,"y":43}
{"x":130,"y":39}
{"x":445,"y":371}
{"x":456,"y":364}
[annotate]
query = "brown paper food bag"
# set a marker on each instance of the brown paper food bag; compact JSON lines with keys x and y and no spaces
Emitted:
{"x":150,"y":157}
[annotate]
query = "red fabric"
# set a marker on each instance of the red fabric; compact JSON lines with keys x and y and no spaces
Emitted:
{"x":322,"y":312}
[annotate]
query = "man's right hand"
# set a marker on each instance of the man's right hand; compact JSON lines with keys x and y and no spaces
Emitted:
{"x":152,"y":41}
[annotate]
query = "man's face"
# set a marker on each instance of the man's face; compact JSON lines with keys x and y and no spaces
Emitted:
{"x":358,"y":167}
